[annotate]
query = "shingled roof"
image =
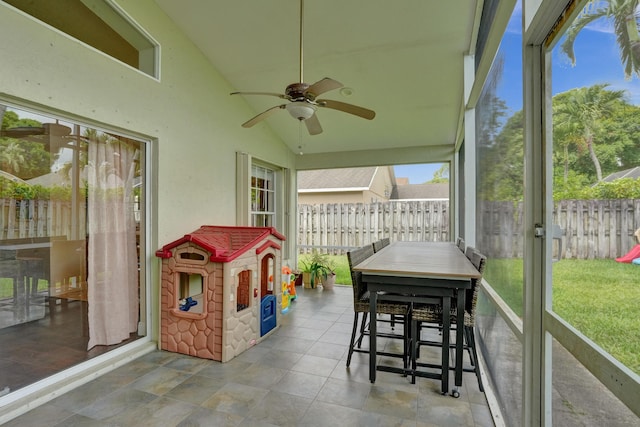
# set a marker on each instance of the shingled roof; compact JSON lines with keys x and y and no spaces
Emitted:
{"x":322,"y":179}
{"x":628,"y":173}
{"x":224,"y":243}
{"x":420,"y":191}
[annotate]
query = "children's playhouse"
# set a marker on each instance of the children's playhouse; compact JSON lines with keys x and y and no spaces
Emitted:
{"x":218,"y":297}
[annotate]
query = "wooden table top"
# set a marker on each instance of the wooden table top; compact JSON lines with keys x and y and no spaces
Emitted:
{"x":420,"y":259}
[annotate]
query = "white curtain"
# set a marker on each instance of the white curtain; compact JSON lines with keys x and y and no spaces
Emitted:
{"x":112,"y":256}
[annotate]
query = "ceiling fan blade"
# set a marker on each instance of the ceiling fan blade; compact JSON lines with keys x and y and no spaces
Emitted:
{"x":262,"y":116}
{"x":313,"y":125}
{"x":279,"y":95}
{"x":322,"y":86}
{"x":365,"y":113}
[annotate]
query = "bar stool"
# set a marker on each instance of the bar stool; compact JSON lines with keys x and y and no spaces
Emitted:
{"x":430,"y":313}
{"x":361,"y":306}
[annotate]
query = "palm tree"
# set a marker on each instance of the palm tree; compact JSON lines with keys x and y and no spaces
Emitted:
{"x":12,"y":157}
{"x":585,"y":108}
{"x":624,"y":14}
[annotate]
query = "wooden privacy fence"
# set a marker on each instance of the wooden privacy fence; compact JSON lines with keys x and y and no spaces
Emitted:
{"x":585,"y":229}
{"x":338,"y":227}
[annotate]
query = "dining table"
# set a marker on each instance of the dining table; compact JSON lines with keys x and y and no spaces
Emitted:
{"x":420,"y":272}
{"x":25,"y":260}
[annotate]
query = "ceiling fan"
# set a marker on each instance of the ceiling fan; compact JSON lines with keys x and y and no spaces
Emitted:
{"x":302,"y":98}
{"x":53,"y":135}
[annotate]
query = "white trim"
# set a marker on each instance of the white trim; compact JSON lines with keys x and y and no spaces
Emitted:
{"x":510,"y":318}
{"x":421,"y":200}
{"x":470,"y":176}
{"x":332,"y":190}
{"x":492,"y":399}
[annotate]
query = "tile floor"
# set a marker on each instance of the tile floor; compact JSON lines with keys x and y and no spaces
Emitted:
{"x":296,"y":377}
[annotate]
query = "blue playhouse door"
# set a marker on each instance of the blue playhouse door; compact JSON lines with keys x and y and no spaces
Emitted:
{"x":267,"y":314}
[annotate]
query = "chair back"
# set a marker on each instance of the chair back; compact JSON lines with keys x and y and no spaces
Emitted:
{"x":478,"y":260}
{"x":355,"y":257}
{"x":460,"y":244}
{"x":68,"y":268}
{"x":469,"y":253}
{"x":380,"y":244}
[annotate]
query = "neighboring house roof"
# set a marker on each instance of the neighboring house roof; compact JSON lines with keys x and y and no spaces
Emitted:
{"x":420,"y":191}
{"x":629,"y":173}
{"x":51,"y":179}
{"x":345,"y":179}
{"x":360,"y":179}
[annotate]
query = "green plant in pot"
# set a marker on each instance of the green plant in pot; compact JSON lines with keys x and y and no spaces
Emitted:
{"x":316,"y":268}
{"x":330,"y":279}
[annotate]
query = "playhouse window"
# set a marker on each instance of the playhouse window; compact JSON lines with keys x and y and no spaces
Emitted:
{"x":242,"y":291}
{"x":267,"y":276}
{"x":191,"y":290}
{"x":192,"y":256}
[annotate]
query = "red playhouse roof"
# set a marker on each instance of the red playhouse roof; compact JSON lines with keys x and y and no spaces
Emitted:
{"x":225,"y":243}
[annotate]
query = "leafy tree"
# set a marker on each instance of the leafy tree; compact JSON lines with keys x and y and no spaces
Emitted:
{"x":580,"y":114}
{"x":441,"y":175}
{"x":21,"y":157}
{"x":502,"y":163}
{"x":623,"y":14}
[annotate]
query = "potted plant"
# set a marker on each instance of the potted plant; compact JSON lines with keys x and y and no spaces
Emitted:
{"x":314,"y":270}
{"x":330,"y":278}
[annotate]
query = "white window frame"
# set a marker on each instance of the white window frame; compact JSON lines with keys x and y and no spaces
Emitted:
{"x":245,"y":163}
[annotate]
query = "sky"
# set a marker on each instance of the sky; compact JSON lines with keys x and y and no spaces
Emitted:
{"x":597,"y":61}
{"x":417,"y":174}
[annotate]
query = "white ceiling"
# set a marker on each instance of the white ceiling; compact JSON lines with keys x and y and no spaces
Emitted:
{"x":402,"y":59}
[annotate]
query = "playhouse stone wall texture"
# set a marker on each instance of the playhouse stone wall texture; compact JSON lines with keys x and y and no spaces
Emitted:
{"x":241,"y":328}
{"x":188,"y":333}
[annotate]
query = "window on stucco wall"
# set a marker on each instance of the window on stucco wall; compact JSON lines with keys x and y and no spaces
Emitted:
{"x":103,"y":26}
{"x":263,"y":196}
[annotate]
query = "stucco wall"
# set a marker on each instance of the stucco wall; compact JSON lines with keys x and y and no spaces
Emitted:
{"x":192,"y":122}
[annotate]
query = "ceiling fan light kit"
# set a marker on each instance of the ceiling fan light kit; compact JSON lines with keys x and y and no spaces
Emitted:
{"x":302,"y":98}
{"x":301,"y":110}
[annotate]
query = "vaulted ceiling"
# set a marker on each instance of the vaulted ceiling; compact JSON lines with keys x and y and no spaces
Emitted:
{"x":402,"y":59}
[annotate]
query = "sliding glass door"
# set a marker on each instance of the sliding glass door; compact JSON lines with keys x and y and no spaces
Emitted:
{"x":71,"y":215}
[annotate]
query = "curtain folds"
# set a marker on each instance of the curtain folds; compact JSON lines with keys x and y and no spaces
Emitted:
{"x":112,"y":255}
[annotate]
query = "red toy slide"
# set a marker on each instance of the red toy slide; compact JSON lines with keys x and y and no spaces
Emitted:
{"x":631,"y":255}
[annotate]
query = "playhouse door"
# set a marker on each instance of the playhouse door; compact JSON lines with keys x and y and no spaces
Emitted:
{"x":267,"y":314}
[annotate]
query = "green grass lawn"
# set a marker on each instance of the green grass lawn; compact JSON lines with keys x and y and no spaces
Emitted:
{"x":600,"y":298}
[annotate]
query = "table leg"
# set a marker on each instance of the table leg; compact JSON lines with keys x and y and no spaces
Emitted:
{"x":373,"y":320}
{"x":446,"y":331}
{"x":460,"y":336}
